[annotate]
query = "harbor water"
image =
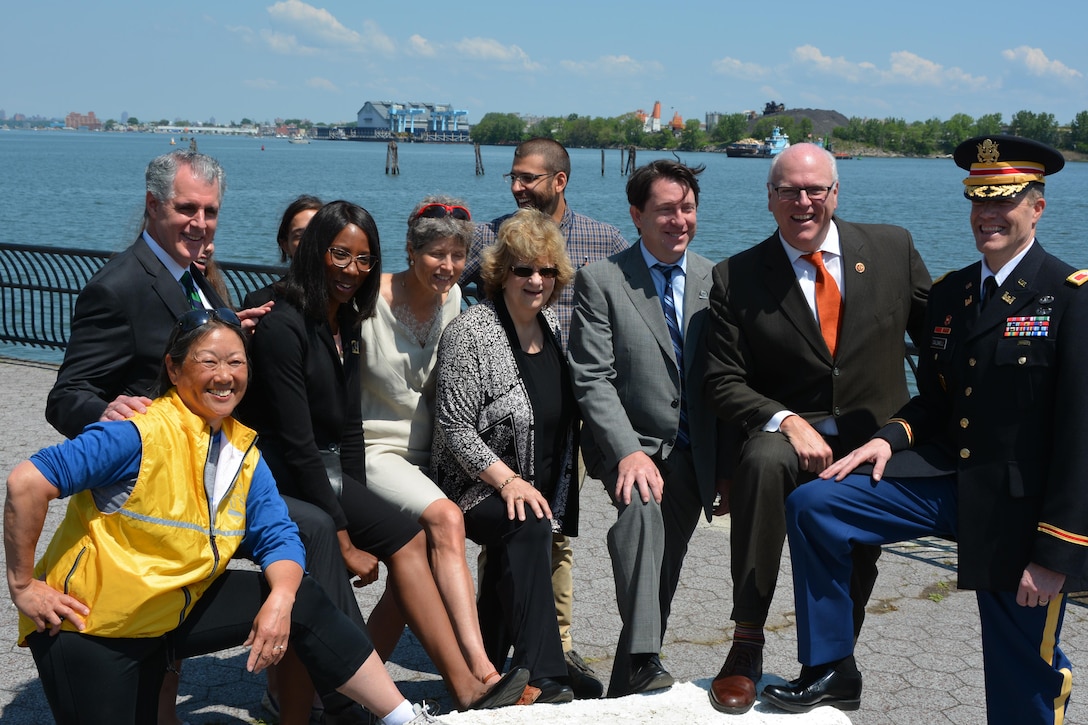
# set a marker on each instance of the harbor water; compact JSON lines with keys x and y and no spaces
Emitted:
{"x":85,"y":190}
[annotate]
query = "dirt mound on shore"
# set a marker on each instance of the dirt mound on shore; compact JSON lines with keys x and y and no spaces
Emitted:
{"x":822,"y":121}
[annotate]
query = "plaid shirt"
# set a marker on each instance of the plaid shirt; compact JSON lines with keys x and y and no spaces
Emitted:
{"x":587,"y":241}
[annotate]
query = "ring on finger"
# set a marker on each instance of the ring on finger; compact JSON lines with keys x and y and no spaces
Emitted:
{"x":278,"y":647}
{"x":519,"y":498}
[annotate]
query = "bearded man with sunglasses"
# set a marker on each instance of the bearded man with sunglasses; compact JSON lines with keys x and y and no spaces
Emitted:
{"x":806,"y":343}
{"x":538,"y":179}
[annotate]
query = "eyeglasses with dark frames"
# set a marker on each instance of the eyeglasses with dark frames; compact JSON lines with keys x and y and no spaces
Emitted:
{"x":525,"y":179}
{"x":341,"y":258}
{"x":793,"y":193}
{"x":524,"y":270}
{"x":193,"y":319}
{"x":439,"y":211}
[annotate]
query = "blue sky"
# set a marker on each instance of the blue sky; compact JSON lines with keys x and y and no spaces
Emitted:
{"x":322,"y":59}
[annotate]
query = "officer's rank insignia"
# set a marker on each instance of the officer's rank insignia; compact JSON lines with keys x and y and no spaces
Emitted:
{"x":1078,"y":278}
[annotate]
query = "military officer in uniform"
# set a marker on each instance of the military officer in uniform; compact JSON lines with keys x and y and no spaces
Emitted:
{"x":990,"y":452}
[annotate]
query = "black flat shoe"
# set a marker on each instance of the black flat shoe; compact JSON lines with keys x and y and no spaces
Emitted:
{"x":506,"y":691}
{"x":820,"y":687}
{"x":552,"y":690}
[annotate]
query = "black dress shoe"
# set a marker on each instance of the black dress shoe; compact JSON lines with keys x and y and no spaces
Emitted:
{"x":648,"y":677}
{"x":819,"y":686}
{"x":552,"y":690}
{"x":583,"y":680}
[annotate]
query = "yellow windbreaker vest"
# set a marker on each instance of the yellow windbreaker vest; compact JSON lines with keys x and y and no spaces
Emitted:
{"x":140,"y":553}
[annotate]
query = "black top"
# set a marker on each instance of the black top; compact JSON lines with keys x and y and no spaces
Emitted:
{"x":543,"y":375}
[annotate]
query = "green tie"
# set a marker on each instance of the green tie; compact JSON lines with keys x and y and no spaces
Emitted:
{"x":190,"y":291}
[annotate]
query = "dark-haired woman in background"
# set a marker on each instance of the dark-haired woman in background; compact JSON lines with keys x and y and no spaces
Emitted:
{"x":292,"y":224}
{"x":306,"y":406}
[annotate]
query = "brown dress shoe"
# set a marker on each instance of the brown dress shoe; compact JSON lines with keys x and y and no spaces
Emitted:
{"x":733,"y":691}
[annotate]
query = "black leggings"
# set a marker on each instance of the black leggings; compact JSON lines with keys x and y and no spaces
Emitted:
{"x":90,"y":680}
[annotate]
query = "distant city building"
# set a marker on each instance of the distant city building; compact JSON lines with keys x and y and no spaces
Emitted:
{"x":77,"y":120}
{"x":425,"y":121}
{"x":124,"y":116}
{"x":3,"y":115}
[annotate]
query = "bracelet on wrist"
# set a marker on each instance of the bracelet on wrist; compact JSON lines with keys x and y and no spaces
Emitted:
{"x":508,"y":480}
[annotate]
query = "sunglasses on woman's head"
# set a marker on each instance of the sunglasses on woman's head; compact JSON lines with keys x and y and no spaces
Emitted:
{"x":438,"y":211}
{"x":193,"y":319}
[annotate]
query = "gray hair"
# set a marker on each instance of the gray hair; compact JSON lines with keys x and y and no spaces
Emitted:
{"x":162,"y":171}
{"x":423,"y":231}
{"x":830,"y":160}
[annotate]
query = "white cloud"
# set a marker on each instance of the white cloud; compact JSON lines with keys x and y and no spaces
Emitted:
{"x":320,"y":27}
{"x":285,"y":43}
{"x":904,"y":68}
{"x":740,"y":69}
{"x":1035,"y":60}
{"x":613,"y":65}
{"x":314,"y":21}
{"x":489,"y":49}
{"x":262,"y":84}
{"x":322,"y":84}
{"x":811,"y":56}
{"x":422,"y":46}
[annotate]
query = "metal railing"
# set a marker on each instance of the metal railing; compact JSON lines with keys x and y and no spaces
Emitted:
{"x":39,"y":286}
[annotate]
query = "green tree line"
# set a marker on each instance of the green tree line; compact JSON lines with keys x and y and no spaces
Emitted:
{"x":890,"y":135}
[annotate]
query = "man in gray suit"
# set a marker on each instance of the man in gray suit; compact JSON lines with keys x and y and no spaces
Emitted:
{"x":805,"y":340}
{"x":637,"y":353}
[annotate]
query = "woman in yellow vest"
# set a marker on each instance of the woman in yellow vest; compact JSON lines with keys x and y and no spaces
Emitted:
{"x":136,"y":575}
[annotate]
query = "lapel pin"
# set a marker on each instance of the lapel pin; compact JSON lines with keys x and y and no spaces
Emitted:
{"x":1022,"y":283}
{"x":859,"y":267}
{"x":704,"y":295}
{"x":1007,"y":298}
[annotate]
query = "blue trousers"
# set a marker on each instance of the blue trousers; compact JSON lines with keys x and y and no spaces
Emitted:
{"x":1028,"y":678}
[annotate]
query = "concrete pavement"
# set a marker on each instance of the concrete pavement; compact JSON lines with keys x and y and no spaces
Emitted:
{"x":920,"y":650}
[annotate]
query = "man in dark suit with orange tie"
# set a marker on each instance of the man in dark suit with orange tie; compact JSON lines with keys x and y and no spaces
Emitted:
{"x":806,"y":347}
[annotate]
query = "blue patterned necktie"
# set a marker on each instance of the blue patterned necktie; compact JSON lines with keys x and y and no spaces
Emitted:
{"x":193,"y":296}
{"x":668,"y":305}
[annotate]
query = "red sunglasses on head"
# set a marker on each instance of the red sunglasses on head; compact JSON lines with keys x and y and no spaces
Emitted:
{"x":438,"y":211}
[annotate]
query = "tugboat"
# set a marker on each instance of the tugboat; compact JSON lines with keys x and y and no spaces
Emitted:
{"x":750,"y":148}
{"x":775,"y":144}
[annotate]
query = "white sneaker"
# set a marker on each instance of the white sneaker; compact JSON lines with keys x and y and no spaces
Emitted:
{"x":423,"y":715}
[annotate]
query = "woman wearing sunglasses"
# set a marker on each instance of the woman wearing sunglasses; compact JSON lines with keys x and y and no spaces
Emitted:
{"x":505,"y":438}
{"x":136,"y":574}
{"x":306,"y":405}
{"x":400,"y":349}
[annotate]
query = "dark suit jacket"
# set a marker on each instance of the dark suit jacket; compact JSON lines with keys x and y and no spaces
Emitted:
{"x":624,"y":369}
{"x":302,"y":400}
{"x":766,"y":350}
{"x":120,"y":327}
{"x":1009,"y":414}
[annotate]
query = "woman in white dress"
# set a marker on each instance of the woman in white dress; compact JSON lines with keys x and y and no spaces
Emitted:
{"x":400,"y":348}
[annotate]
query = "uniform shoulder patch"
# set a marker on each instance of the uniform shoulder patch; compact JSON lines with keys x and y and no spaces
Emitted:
{"x":1078,"y":278}
{"x":941,"y":278}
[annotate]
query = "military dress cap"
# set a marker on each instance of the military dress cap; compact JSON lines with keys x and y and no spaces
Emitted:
{"x":1002,"y":166}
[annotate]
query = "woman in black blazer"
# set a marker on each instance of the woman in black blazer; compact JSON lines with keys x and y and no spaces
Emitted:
{"x":305,"y":403}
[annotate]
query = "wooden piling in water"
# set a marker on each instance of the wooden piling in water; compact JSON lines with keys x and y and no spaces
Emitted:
{"x":479,"y":161}
{"x":392,"y":163}
{"x":630,"y":161}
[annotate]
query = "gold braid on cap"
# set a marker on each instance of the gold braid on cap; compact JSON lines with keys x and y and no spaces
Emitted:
{"x":990,"y":178}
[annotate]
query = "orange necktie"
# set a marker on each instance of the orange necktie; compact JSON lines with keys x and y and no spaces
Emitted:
{"x":828,"y":301}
